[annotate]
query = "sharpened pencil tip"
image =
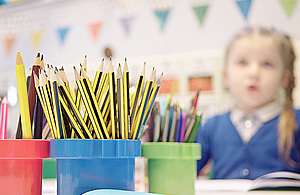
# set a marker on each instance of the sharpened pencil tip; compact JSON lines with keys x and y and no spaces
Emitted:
{"x":125,"y":59}
{"x":102,"y":59}
{"x":110,"y":58}
{"x":38,"y":55}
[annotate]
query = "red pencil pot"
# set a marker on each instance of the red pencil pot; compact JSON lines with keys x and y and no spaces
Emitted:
{"x":21,"y":166}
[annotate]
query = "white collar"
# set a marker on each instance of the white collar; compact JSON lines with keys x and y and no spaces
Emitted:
{"x":264,"y":114}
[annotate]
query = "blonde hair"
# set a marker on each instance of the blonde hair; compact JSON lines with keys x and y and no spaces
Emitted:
{"x":287,"y":123}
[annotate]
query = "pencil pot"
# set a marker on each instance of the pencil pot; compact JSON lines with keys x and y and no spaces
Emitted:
{"x":87,"y":164}
{"x":21,"y":166}
{"x":172,"y":167}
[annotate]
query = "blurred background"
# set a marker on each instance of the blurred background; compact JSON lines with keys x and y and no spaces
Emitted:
{"x":184,"y":39}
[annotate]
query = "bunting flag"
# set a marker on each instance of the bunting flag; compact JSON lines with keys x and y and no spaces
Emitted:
{"x":288,"y":6}
{"x":244,"y":6}
{"x":94,"y":28}
{"x":127,"y":22}
{"x":36,"y":38}
{"x":62,"y":33}
{"x":9,"y":40}
{"x":126,"y":11}
{"x":162,"y":16}
{"x":200,"y":12}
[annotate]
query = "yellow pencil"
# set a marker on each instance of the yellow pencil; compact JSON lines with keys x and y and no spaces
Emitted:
{"x":56,"y":106}
{"x":88,"y":88}
{"x":137,"y":95}
{"x":23,"y":98}
{"x":96,"y":81}
{"x":126,"y":100}
{"x":42,"y":100}
{"x":151,"y":101}
{"x":120,"y":102}
{"x":141,"y":112}
{"x":48,"y":104}
{"x":83,"y":132}
{"x":112,"y":99}
{"x":61,"y":73}
{"x":42,"y":64}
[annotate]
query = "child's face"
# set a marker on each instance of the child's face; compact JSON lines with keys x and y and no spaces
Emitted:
{"x":254,"y":71}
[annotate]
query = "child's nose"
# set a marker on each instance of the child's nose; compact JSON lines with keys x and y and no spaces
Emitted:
{"x":254,"y":69}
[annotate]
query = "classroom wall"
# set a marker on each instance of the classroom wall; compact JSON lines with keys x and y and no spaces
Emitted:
{"x":181,"y":49}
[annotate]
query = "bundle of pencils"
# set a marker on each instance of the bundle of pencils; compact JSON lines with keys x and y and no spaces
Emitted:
{"x":175,"y":124}
{"x":109,"y":112}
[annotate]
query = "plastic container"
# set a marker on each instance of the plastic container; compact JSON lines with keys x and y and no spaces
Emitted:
{"x":49,"y":168}
{"x":85,"y":164}
{"x":172,"y":167}
{"x":116,"y":192}
{"x":21,"y":166}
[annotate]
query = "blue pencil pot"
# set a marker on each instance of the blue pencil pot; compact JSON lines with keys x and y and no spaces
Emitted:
{"x":85,"y":165}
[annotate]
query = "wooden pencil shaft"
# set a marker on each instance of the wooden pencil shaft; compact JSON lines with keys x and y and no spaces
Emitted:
{"x":126,"y":104}
{"x":112,"y":103}
{"x":32,"y":93}
{"x":96,"y":82}
{"x":142,"y":109}
{"x":44,"y":95}
{"x":57,"y":109}
{"x":75,"y":112}
{"x":136,"y":99}
{"x":73,"y":121}
{"x":121,"y":107}
{"x":23,"y":101}
{"x":95,"y":106}
{"x":86,"y":96}
{"x":49,"y":105}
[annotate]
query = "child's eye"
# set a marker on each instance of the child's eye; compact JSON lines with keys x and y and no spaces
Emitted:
{"x":268,"y":64}
{"x":242,"y":62}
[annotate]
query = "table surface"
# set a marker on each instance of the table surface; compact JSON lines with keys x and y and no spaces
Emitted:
{"x":202,"y":187}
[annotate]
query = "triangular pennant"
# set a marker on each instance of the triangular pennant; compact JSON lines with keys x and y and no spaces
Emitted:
{"x":62,"y":33}
{"x":9,"y":41}
{"x":127,"y":22}
{"x":36,"y":38}
{"x":94,"y":27}
{"x":244,"y":6}
{"x":200,"y":12}
{"x":162,"y":16}
{"x":288,"y":6}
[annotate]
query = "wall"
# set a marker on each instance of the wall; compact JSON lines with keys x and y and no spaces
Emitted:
{"x":183,"y":43}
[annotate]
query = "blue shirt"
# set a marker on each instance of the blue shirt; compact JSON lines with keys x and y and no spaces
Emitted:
{"x":234,"y":159}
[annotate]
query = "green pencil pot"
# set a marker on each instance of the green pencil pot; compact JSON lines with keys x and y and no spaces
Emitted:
{"x":172,"y":166}
{"x":49,"y":168}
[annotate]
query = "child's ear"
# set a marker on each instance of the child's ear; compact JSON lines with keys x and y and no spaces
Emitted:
{"x":286,"y":78}
{"x":225,"y":78}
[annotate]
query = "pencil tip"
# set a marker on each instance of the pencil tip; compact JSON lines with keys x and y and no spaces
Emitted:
{"x":125,"y":59}
{"x":38,"y":55}
{"x":42,"y":57}
{"x":110,"y":58}
{"x":102,"y":59}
